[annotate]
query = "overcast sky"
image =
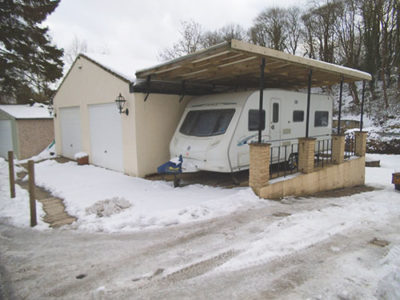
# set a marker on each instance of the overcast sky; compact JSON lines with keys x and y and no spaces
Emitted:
{"x":139,"y":29}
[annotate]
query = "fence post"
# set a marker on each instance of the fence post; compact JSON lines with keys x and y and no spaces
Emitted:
{"x":306,"y":155}
{"x":259,"y":166}
{"x":11,"y":173}
{"x":338,"y":148}
{"x":32,"y":201}
{"x":361,"y":143}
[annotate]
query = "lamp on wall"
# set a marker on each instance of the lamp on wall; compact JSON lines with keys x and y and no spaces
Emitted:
{"x":120,"y":101}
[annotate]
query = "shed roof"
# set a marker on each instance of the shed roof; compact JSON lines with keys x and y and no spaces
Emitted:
{"x":236,"y":65}
{"x":27,"y":111}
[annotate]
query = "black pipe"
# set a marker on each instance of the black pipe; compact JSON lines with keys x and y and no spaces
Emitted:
{"x":340,"y":104}
{"x":308,"y":101}
{"x":362,"y":106}
{"x":260,"y":116}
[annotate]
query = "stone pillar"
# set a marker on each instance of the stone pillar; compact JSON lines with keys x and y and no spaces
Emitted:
{"x":259,"y":166}
{"x":306,"y":155}
{"x":338,"y":148}
{"x":361,"y":143}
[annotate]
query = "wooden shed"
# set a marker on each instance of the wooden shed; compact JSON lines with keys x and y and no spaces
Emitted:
{"x":25,"y":129}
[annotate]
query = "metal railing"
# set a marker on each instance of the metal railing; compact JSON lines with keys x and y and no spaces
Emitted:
{"x":284,"y":160}
{"x":349,"y":146}
{"x":323,"y":153}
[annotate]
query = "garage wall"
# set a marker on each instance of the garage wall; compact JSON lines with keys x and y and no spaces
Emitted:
{"x":34,"y":136}
{"x":156,"y":121}
{"x":86,"y":84}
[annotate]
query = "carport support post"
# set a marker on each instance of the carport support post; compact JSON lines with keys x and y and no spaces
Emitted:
{"x":259,"y":166}
{"x":11,"y":173}
{"x":308,"y":101}
{"x":260,"y":116}
{"x":362,"y":106}
{"x":32,"y":201}
{"x":340,"y":105}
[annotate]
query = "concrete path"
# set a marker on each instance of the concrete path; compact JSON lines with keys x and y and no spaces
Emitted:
{"x":54,"y":207}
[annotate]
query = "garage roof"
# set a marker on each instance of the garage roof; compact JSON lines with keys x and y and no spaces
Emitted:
{"x":236,"y":65}
{"x":27,"y":111}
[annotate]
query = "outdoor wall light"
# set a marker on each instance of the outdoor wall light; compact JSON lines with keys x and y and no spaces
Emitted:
{"x":120,"y":101}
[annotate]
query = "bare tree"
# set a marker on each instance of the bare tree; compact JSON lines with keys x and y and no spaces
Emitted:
{"x":320,"y":22}
{"x":76,"y":47}
{"x":190,"y":41}
{"x":270,"y":29}
{"x":224,"y":34}
{"x":349,"y":35}
{"x":294,"y":28}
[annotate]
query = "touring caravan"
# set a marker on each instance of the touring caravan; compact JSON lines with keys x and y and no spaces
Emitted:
{"x":215,"y":131}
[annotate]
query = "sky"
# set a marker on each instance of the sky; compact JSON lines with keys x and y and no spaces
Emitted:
{"x":139,"y":30}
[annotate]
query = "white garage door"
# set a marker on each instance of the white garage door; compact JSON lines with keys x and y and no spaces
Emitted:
{"x":70,"y":123}
{"x":106,"y":136}
{"x":5,"y":138}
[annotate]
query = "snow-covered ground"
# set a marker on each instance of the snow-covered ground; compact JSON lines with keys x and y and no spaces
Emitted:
{"x":201,"y":242}
{"x":105,"y":200}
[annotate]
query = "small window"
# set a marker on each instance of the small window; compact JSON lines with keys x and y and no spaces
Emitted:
{"x":321,"y":119}
{"x":254,"y":117}
{"x":275,"y":113}
{"x":298,"y":115}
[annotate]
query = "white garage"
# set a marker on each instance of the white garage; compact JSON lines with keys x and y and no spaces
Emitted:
{"x":106,"y":136}
{"x":6,"y":143}
{"x":88,"y":119}
{"x":70,"y":131}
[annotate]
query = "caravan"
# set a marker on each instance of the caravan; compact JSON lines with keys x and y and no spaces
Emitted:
{"x":215,"y":131}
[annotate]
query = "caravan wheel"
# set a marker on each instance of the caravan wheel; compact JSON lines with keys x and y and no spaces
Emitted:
{"x":292,"y":161}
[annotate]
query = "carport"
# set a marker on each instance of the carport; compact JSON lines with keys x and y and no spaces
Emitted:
{"x":237,"y":65}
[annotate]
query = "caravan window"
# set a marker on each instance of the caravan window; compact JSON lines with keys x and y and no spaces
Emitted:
{"x":321,"y":119}
{"x":298,"y":115}
{"x":207,"y":122}
{"x":275,"y":112}
{"x":254,"y":116}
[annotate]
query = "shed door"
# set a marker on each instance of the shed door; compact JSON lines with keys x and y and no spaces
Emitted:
{"x":5,"y":138}
{"x":106,"y":136}
{"x":70,"y":123}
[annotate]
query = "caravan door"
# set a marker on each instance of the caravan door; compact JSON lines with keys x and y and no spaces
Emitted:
{"x":275,"y":119}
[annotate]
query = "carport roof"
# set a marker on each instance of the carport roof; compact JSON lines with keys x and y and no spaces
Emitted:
{"x":235,"y":65}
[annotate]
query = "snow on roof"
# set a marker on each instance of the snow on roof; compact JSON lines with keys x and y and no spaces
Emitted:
{"x":27,"y":111}
{"x":120,"y":65}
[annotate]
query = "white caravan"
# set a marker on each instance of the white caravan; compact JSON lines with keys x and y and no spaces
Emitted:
{"x":215,"y":131}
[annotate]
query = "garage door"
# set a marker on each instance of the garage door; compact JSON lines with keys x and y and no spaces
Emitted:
{"x":106,"y":136}
{"x":5,"y":138}
{"x":70,"y":123}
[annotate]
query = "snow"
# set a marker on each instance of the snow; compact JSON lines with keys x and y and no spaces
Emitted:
{"x":225,"y":243}
{"x":27,"y":111}
{"x":49,"y":152}
{"x":16,"y":211}
{"x":151,"y":203}
{"x":80,"y":155}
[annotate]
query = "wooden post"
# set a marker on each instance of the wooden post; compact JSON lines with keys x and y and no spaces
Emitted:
{"x":11,"y":173}
{"x":32,"y":201}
